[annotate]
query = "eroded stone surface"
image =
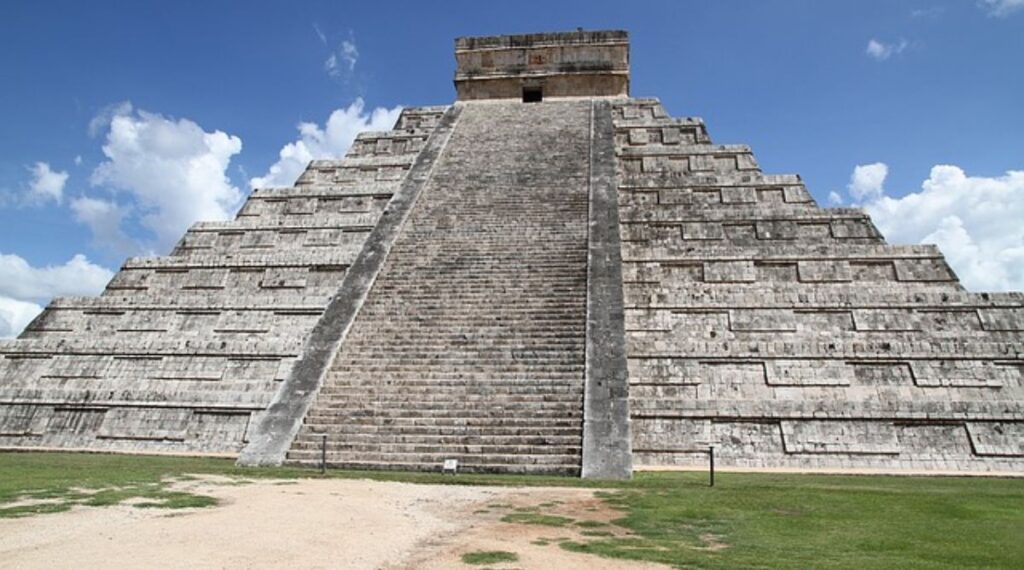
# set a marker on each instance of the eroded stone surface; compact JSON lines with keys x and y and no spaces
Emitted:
{"x":183,"y":353}
{"x":791,"y":336}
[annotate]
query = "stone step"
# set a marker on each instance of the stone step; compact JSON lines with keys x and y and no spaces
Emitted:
{"x":521,"y":457}
{"x":330,"y":405}
{"x":442,"y":378}
{"x":402,"y":424}
{"x":570,"y":470}
{"x":327,"y":411}
{"x":458,"y":351}
{"x":475,"y":370}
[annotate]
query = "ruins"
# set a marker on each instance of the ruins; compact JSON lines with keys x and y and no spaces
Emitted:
{"x":546,"y":276}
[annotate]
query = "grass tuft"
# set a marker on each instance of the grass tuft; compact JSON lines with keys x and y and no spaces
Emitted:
{"x":482,"y":557}
{"x":536,"y":518}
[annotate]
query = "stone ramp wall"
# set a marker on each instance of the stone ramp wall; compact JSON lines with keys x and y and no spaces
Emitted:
{"x":787,"y":335}
{"x":470,"y":345}
{"x":181,"y":353}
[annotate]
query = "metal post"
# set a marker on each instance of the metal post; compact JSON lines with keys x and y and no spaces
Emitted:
{"x":323,"y":455}
{"x":711,"y":455}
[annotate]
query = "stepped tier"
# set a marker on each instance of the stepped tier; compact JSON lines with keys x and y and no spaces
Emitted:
{"x":183,"y":353}
{"x":789,"y":336}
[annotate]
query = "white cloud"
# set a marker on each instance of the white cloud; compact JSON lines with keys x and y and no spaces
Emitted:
{"x":976,"y":221}
{"x":102,"y":120}
{"x":1001,"y":8}
{"x":331,"y":141}
{"x":835,"y":198}
{"x":104,"y":218}
{"x":24,"y":289}
{"x":349,"y":54}
{"x":342,"y":62}
{"x":78,"y":160}
{"x":15,"y":315}
{"x":867,"y":180}
{"x":172,"y":171}
{"x":78,"y":276}
{"x":46,"y":184}
{"x":882,"y":51}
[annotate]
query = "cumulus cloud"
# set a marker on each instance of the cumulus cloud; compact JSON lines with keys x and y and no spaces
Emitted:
{"x":15,"y":315}
{"x":1001,"y":8}
{"x":24,"y":288}
{"x":330,"y":141}
{"x":104,"y":219}
{"x":976,"y":221}
{"x":867,"y":180}
{"x":78,"y":276}
{"x":882,"y":51}
{"x":46,"y":184}
{"x":103,"y":118}
{"x":171,"y":172}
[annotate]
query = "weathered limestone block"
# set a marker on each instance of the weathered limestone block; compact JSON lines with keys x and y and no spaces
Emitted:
{"x":824,"y":271}
{"x":777,"y":229}
{"x":729,"y":271}
{"x":22,"y":420}
{"x":673,"y":371}
{"x":923,"y":270}
{"x":997,"y":438}
{"x":739,"y":195}
{"x":702,"y":231}
{"x":672,"y":435}
{"x":844,"y":437}
{"x":76,"y":366}
{"x":1002,"y":319}
{"x":848,"y":229}
{"x":145,"y":423}
{"x":808,"y":373}
{"x":284,"y":278}
{"x":883,"y":373}
{"x":760,"y":320}
{"x":137,"y":279}
{"x":885,"y":320}
{"x":964,"y":373}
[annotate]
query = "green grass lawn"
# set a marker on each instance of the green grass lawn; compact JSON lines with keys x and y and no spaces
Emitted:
{"x":745,"y":521}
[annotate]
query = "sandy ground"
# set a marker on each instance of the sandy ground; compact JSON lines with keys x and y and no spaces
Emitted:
{"x":312,"y":524}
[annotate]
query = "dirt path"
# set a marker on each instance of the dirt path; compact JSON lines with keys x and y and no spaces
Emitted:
{"x":312,"y":524}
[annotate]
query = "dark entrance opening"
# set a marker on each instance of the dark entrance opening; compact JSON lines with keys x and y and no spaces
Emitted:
{"x":532,"y":95}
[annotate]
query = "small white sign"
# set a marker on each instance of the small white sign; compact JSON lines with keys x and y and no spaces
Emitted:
{"x":451,"y":466}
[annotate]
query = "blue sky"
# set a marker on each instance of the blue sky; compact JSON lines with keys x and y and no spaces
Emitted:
{"x":925,"y":97}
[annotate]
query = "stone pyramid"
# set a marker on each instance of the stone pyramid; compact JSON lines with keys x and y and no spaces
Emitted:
{"x":547,"y":276}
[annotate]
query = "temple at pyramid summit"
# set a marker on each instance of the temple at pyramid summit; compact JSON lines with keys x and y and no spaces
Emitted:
{"x":547,"y":275}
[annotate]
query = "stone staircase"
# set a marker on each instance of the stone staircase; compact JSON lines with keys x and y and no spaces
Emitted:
{"x":470,"y":345}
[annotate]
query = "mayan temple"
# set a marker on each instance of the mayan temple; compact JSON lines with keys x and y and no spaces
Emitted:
{"x":546,"y":276}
